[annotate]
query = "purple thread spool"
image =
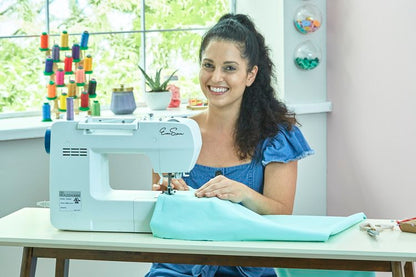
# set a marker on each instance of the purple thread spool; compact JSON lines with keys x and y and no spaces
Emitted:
{"x":55,"y":53}
{"x":75,"y":51}
{"x":69,"y":108}
{"x":49,"y":65}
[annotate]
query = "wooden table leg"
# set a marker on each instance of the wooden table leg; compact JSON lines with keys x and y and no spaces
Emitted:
{"x":396,"y":269}
{"x":61,"y":267}
{"x":28,"y":266}
{"x":409,"y":270}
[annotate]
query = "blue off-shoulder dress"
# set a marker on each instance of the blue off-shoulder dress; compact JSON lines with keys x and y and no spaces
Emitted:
{"x":285,"y":147}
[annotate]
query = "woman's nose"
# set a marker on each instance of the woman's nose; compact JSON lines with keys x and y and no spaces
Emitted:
{"x":217,"y":75}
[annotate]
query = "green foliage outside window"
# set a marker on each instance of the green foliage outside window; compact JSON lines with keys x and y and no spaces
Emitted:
{"x":114,"y":44}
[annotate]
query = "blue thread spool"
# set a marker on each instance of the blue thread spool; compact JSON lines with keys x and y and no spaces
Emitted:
{"x":84,"y":40}
{"x":46,"y":112}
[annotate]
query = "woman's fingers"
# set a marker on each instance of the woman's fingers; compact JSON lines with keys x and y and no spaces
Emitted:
{"x":177,"y":184}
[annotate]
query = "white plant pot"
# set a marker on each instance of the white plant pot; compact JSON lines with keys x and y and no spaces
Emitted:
{"x":158,"y":100}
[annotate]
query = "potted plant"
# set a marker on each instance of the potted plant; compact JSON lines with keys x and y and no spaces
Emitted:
{"x":158,"y":97}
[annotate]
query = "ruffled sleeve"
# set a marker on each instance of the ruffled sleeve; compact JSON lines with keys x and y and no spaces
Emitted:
{"x":285,"y":147}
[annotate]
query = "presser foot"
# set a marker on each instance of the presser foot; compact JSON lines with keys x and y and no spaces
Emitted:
{"x":169,"y":189}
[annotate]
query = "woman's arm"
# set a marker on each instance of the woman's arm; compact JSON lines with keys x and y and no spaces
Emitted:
{"x":278,"y":192}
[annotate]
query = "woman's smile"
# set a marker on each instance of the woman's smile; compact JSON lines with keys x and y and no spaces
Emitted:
{"x":218,"y":90}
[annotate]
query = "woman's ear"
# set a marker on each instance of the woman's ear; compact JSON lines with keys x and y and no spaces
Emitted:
{"x":251,"y":76}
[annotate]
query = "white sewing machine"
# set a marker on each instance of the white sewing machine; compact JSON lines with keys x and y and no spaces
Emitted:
{"x":81,"y":197}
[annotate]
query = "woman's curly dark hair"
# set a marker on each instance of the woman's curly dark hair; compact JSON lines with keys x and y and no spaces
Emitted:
{"x":261,"y":112}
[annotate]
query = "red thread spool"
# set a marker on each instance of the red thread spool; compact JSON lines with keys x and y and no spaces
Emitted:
{"x":84,"y":99}
{"x":68,"y":64}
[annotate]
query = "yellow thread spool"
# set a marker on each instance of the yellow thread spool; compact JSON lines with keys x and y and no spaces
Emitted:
{"x":88,"y":63}
{"x":62,"y":101}
{"x":64,"y":39}
{"x":71,"y":88}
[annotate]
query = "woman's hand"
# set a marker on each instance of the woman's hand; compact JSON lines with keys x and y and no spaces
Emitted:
{"x":177,"y":184}
{"x":224,"y":188}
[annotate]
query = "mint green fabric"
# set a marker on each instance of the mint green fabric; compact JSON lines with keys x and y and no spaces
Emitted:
{"x":184,"y":216}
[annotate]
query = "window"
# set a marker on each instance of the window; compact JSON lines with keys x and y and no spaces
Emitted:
{"x":122,"y":35}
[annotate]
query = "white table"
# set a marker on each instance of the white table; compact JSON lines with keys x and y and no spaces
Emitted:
{"x":393,"y":251}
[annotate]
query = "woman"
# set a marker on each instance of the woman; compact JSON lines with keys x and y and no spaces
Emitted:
{"x":250,"y":144}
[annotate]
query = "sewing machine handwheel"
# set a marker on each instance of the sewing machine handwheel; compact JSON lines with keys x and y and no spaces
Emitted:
{"x":48,"y":140}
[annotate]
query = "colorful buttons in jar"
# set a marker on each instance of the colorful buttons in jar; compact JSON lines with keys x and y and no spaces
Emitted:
{"x":307,"y":19}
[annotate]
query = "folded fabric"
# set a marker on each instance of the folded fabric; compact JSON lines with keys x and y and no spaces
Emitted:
{"x":184,"y":216}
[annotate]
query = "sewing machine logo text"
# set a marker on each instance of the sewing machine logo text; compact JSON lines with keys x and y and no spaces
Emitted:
{"x":164,"y":131}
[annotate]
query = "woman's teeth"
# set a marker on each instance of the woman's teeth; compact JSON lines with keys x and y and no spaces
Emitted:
{"x":218,"y":89}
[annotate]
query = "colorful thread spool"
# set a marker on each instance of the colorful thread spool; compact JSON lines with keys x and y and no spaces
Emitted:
{"x":60,"y":77}
{"x":68,"y":65}
{"x":64,"y":40}
{"x":72,"y":89}
{"x":69,"y":108}
{"x":46,"y":112}
{"x":96,"y":110}
{"x":76,"y":52}
{"x":62,"y":102}
{"x":92,"y":86}
{"x":88,"y":64}
{"x":44,"y":42}
{"x":84,"y":101}
{"x":84,"y":40}
{"x":55,"y":53}
{"x":48,"y":66}
{"x":80,"y":76}
{"x":51,"y":90}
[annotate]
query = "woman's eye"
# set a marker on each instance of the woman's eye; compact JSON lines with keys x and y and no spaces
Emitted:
{"x":207,"y":66}
{"x":229,"y":68}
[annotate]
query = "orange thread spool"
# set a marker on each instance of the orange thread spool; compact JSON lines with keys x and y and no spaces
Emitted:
{"x":44,"y":41}
{"x":51,"y":90}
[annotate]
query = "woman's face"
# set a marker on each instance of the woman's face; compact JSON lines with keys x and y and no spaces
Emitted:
{"x":223,"y":75}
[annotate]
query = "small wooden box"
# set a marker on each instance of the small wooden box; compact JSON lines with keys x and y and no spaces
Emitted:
{"x":408,"y":225}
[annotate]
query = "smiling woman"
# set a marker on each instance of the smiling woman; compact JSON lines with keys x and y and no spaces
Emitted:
{"x":122,"y":35}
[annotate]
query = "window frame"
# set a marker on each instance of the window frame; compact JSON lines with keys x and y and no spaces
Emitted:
{"x":143,"y":56}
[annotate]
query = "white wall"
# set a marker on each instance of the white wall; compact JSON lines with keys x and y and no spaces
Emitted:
{"x":371,"y":132}
{"x":274,"y":19}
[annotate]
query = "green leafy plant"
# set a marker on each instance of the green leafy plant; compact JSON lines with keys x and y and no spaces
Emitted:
{"x":154,"y":83}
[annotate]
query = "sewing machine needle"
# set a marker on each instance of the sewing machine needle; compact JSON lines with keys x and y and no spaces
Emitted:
{"x":169,"y":188}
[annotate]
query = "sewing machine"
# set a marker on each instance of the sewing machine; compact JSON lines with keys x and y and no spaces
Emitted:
{"x":81,"y":197}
